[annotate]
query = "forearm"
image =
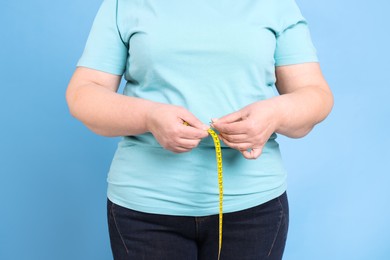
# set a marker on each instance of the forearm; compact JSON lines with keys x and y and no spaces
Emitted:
{"x":299,"y":111}
{"x":107,"y":113}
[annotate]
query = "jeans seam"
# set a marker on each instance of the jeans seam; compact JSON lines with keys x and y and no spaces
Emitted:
{"x":117,"y":228}
{"x":283,"y":209}
{"x":279,"y":225}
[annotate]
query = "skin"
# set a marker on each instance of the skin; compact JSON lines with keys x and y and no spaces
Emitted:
{"x":305,"y":100}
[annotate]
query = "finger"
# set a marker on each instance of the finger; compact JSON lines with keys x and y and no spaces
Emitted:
{"x":183,"y":145}
{"x":179,"y":150}
{"x":191,"y":120}
{"x":190,"y":132}
{"x":235,"y":138}
{"x":238,"y":146}
{"x":188,"y":143}
{"x":230,"y":118}
{"x":252,"y":153}
{"x":233,"y":128}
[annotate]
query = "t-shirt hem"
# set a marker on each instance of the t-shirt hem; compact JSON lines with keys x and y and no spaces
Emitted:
{"x":101,"y":67}
{"x":258,"y":200}
{"x":294,"y":60}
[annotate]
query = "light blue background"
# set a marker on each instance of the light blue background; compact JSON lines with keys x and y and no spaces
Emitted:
{"x":53,"y":170}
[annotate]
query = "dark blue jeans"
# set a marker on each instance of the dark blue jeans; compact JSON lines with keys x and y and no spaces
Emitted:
{"x":256,"y":233}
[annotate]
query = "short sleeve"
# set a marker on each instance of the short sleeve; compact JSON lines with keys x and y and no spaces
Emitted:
{"x":293,"y":41}
{"x":105,"y":50}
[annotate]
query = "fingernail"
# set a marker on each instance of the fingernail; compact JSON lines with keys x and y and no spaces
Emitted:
{"x":214,"y":120}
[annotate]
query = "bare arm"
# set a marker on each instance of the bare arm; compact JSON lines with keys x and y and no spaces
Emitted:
{"x":305,"y":100}
{"x":92,"y":98}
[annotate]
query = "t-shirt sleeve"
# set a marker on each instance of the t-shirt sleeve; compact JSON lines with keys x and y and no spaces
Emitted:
{"x":105,"y":50}
{"x":293,"y":40}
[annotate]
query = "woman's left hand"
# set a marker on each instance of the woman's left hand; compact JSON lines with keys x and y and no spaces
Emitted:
{"x":248,"y":129}
{"x":305,"y":100}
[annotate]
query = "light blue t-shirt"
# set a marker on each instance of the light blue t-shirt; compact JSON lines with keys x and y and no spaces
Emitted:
{"x":213,"y":58}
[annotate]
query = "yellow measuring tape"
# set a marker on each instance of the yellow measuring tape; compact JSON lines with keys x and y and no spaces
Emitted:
{"x":218,"y":155}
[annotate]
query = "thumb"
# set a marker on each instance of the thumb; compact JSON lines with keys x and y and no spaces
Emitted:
{"x":191,"y":120}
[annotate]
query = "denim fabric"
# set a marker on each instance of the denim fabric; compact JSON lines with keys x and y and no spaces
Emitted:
{"x":256,"y":233}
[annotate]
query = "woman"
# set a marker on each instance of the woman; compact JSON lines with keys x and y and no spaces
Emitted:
{"x":186,"y":63}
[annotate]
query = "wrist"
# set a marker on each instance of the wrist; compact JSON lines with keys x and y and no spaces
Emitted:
{"x":150,"y":115}
{"x":278,"y":112}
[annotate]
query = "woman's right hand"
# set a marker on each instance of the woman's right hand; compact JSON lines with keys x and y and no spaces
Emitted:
{"x":166,"y":123}
{"x":93,"y":99}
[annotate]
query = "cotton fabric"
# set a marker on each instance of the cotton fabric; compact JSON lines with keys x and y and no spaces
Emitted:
{"x":213,"y":58}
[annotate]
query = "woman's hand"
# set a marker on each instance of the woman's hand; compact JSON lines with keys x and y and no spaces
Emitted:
{"x":305,"y":100}
{"x":93,"y":99}
{"x":248,"y":129}
{"x":165,"y":122}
